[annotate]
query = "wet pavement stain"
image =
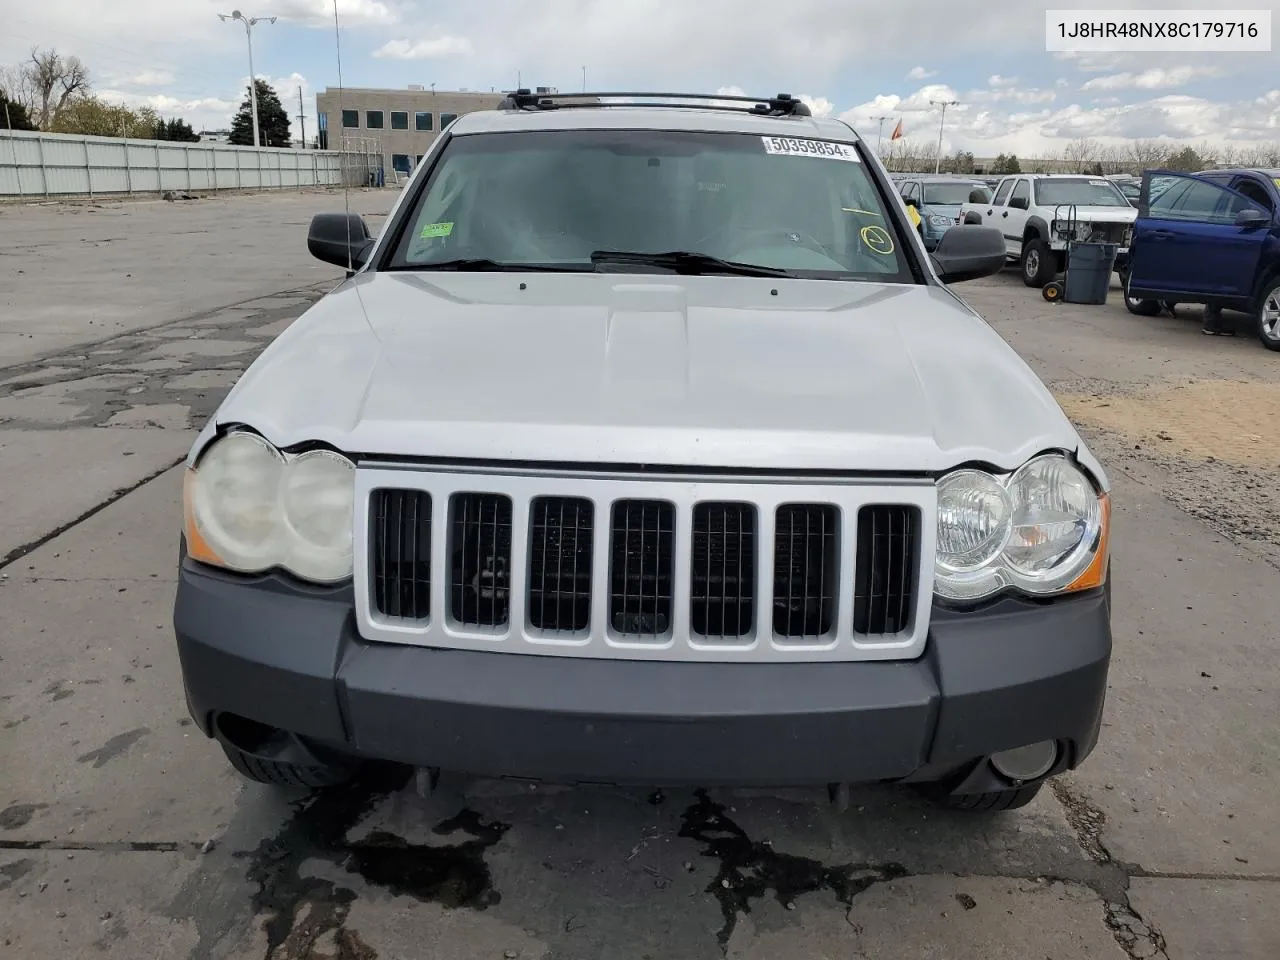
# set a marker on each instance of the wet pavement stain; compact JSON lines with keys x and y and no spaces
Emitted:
{"x":11,"y":873}
{"x":307,"y":915}
{"x":117,"y":746}
{"x":19,"y":815}
{"x":749,"y":870}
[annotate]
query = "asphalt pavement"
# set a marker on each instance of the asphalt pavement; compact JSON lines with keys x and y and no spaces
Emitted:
{"x":124,"y":833}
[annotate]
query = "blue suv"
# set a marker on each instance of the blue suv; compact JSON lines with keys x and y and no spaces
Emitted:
{"x":937,"y":199}
{"x":1212,"y":238}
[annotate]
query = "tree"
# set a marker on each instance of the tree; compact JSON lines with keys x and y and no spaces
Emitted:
{"x":94,"y":117}
{"x":273,"y":121}
{"x":1185,"y":160}
{"x":54,"y":80}
{"x":961,"y":162}
{"x":1081,"y":153}
{"x":13,"y":115}
{"x":175,"y":129}
{"x":1006,"y":164}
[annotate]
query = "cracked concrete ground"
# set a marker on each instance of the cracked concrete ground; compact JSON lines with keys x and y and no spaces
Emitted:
{"x":123,"y":833}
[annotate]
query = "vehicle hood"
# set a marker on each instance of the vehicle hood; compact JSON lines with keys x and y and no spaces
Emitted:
{"x":628,"y":369}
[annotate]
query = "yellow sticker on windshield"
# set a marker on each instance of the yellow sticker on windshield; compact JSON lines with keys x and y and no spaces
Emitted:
{"x":1277,"y":182}
{"x":432,"y":230}
{"x":877,"y":239}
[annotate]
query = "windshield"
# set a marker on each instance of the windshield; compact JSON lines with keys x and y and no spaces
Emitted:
{"x":953,"y":194}
{"x":553,"y":198}
{"x":1081,"y":191}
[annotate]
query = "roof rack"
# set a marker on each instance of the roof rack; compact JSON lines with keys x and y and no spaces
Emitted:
{"x":783,"y":105}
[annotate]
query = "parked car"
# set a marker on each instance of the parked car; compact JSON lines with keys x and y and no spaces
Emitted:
{"x":1040,"y":214}
{"x":938,"y":200}
{"x":619,"y":458}
{"x":1211,"y":238}
{"x":1130,"y":186}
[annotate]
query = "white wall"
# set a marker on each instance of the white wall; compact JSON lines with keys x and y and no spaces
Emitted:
{"x":53,"y":164}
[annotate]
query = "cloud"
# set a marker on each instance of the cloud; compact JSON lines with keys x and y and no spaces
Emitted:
{"x":443,"y":46}
{"x":920,"y":73}
{"x":351,"y":13}
{"x":151,"y":78}
{"x":1093,"y":62}
{"x":995,"y":80}
{"x":1157,"y":78}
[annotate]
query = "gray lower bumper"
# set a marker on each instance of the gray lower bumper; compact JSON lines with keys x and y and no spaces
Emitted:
{"x":290,"y":657}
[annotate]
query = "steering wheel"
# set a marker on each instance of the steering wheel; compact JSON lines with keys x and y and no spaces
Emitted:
{"x":776,"y":233}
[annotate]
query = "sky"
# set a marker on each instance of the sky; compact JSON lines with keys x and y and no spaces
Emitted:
{"x":856,"y":59}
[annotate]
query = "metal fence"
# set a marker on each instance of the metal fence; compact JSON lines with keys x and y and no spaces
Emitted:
{"x":36,"y":164}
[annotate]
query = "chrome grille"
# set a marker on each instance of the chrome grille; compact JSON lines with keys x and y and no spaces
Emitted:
{"x":885,"y":568}
{"x":644,"y":567}
{"x":402,"y":561}
{"x":640,"y":564}
{"x":480,"y":559}
{"x":804,"y":570}
{"x":560,"y":531}
{"x":722,"y":586}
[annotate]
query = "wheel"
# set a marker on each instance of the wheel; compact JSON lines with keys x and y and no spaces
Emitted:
{"x":993,"y":802}
{"x":1039,"y":265}
{"x":1053,"y":291}
{"x":1269,"y":315}
{"x":1137,"y":306}
{"x":281,"y":773}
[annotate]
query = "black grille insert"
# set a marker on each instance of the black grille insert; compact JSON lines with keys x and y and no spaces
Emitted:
{"x":886,"y":568}
{"x":480,"y":559}
{"x":560,"y":531}
{"x":805,"y":558}
{"x":642,"y":536}
{"x":722,"y":591}
{"x":400,"y":545}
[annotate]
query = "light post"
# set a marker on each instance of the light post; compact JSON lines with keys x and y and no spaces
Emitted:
{"x":937,"y":166}
{"x":253,"y":80}
{"x":880,"y":132}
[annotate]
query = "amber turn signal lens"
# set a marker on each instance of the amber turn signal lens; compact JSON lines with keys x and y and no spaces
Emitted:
{"x":197,"y":547}
{"x":1095,"y":575}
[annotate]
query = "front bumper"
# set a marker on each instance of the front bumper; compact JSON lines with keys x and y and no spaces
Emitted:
{"x":289,"y":657}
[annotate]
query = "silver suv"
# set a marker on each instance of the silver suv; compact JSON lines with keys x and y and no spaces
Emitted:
{"x":646,"y":444}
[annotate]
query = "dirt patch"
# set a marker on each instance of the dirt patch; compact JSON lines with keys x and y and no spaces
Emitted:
{"x":1224,"y":420}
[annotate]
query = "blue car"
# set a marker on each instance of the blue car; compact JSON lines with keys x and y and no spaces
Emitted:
{"x":937,"y":199}
{"x":1211,"y":238}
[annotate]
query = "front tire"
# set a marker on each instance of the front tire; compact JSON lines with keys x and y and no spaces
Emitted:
{"x":995,"y":801}
{"x":1269,"y":315}
{"x":1039,"y":265}
{"x":1137,"y":306}
{"x":267,"y":755}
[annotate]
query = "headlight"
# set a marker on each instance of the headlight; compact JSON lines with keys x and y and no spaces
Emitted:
{"x":938,"y":221}
{"x":1043,"y":530}
{"x":250,"y":508}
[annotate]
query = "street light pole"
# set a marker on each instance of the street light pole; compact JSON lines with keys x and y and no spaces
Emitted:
{"x":937,"y":166}
{"x":880,"y":132}
{"x":249,"y":23}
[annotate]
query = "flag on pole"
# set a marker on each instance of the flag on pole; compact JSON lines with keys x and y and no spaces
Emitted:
{"x":897,"y":131}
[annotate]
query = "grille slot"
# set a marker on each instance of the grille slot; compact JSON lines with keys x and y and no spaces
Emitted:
{"x":805,"y":557}
{"x":560,"y":532}
{"x":401,"y":553}
{"x":641,"y":544}
{"x":480,"y":559}
{"x":722,"y":587}
{"x":885,"y":568}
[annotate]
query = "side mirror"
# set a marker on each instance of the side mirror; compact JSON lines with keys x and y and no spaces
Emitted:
{"x":1017,"y":203}
{"x":340,"y":238}
{"x":1252,"y":218}
{"x":968,"y":252}
{"x":911,"y":202}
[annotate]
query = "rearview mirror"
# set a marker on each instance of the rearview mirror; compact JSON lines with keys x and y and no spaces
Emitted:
{"x":340,"y":238}
{"x":1252,"y":218}
{"x":968,"y":252}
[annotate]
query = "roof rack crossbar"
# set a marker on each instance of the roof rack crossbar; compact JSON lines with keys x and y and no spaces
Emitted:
{"x":782,"y":105}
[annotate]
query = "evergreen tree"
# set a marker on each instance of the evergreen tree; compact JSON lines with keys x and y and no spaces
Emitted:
{"x":273,"y":121}
{"x":13,"y":115}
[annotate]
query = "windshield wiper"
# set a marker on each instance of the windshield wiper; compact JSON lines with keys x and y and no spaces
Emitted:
{"x":480,"y":264}
{"x":687,"y":262}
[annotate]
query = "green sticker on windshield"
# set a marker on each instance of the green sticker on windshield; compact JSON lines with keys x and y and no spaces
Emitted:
{"x":432,"y":230}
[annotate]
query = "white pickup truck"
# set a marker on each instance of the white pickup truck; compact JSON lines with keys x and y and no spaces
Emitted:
{"x":1039,"y":213}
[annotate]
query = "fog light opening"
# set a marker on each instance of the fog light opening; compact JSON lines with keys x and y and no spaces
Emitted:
{"x":1022,"y":764}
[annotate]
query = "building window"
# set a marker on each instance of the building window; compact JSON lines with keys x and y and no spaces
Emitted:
{"x":422,"y":121}
{"x":351,"y":118}
{"x":322,"y":138}
{"x":373,"y":119}
{"x":446,"y":119}
{"x":402,"y":162}
{"x":399,"y":120}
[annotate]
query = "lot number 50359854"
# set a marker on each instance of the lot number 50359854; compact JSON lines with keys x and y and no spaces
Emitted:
{"x":821,"y":149}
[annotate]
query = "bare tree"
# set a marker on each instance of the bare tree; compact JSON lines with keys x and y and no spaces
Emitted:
{"x":1081,"y":153}
{"x":54,"y":79}
{"x":1148,"y":154}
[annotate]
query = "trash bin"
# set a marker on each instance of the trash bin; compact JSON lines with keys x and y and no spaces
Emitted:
{"x":1089,"y":269}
